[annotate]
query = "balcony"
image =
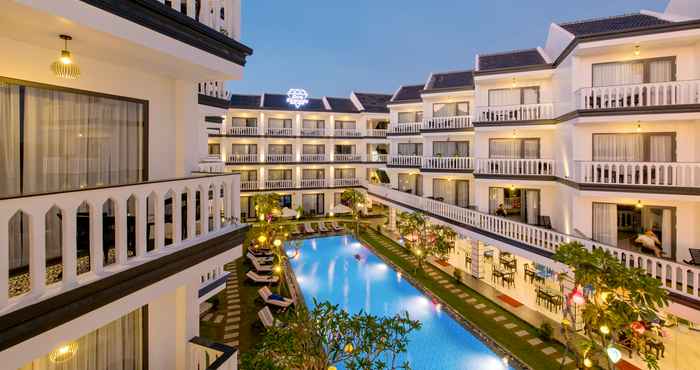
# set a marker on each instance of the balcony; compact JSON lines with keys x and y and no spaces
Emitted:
{"x":249,"y":185}
{"x":313,"y":183}
{"x":339,"y":183}
{"x":660,"y":174}
{"x":346,"y":132}
{"x":405,"y":160}
{"x":208,"y":355}
{"x":242,"y":158}
{"x":510,"y":113}
{"x":675,"y":277}
{"x":120,"y":240}
{"x":313,"y":132}
{"x":448,"y":163}
{"x":279,"y":131}
{"x":404,"y":128}
{"x":279,"y":158}
{"x":514,"y":167}
{"x":639,"y":95}
{"x":347,"y":158}
{"x":240,"y":131}
{"x":447,"y":123}
{"x":279,"y":184}
{"x":375,"y":132}
{"x":314,"y":158}
{"x":377,"y":158}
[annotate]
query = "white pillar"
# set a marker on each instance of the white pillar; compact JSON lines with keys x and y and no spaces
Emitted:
{"x":68,"y":246}
{"x":216,"y":207}
{"x":177,"y":217}
{"x":37,"y":252}
{"x":204,"y":210}
{"x":477,"y":255}
{"x":4,"y":262}
{"x":235,"y":198}
{"x":159,"y":223}
{"x":96,"y":239}
{"x":392,"y":218}
{"x":141,"y":227}
{"x":191,"y":214}
{"x":120,"y":231}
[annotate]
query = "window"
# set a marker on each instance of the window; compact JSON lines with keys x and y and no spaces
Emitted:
{"x":647,"y":147}
{"x":286,"y":201}
{"x":516,"y":96}
{"x":249,"y":175}
{"x":514,"y":148}
{"x":276,"y":175}
{"x":344,"y":125}
{"x":243,"y":149}
{"x":410,"y":117}
{"x":279,"y":123}
{"x":634,"y":72}
{"x":244,"y":122}
{"x":410,"y":149}
{"x":280,"y":149}
{"x":451,"y":109}
{"x":313,"y":204}
{"x":518,"y":204}
{"x":312,"y":124}
{"x":57,"y":140}
{"x":344,"y":173}
{"x":313,"y":149}
{"x":411,"y":183}
{"x":455,"y":192}
{"x":450,"y":148}
{"x":214,"y":149}
{"x":312,"y":174}
{"x":344,"y":149}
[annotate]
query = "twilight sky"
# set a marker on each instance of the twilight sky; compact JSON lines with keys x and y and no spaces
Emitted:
{"x":333,"y":47}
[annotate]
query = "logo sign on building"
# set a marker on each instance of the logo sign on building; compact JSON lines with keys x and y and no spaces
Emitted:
{"x":297,"y":97}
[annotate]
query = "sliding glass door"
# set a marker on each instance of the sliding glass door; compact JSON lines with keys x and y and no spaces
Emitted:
{"x":518,"y":204}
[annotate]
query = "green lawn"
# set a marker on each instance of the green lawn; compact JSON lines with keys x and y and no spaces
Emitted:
{"x":518,"y":346}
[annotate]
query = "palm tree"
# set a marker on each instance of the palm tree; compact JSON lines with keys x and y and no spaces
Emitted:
{"x":413,"y":227}
{"x":442,"y":241}
{"x":355,"y":200}
{"x":267,"y":205}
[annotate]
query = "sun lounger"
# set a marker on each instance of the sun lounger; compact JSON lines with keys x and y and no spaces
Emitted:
{"x":261,"y":260}
{"x":322,"y":228}
{"x":260,"y":267}
{"x":268,"y":321}
{"x":260,"y":252}
{"x":273,"y":299}
{"x":266,"y":279}
{"x":337,"y":227}
{"x":295,"y":230}
{"x":308,"y":229}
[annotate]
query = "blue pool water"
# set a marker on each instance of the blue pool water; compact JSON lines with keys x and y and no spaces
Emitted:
{"x":328,"y":270}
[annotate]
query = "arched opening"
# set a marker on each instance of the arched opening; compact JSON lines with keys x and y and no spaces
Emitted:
{"x":168,"y":211}
{"x":131,"y":226}
{"x":151,"y":221}
{"x":185,"y":215}
{"x":82,"y":238}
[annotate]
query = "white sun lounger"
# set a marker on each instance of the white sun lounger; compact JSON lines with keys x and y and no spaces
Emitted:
{"x":265,"y":316}
{"x":308,"y":229}
{"x":261,"y":260}
{"x":322,"y":228}
{"x":257,"y":278}
{"x":266,"y":295}
{"x":337,"y":227}
{"x":260,"y":267}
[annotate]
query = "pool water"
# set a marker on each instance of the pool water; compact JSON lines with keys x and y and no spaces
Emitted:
{"x":329,"y":269}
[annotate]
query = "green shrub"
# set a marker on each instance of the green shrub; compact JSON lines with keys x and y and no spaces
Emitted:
{"x":545,"y":332}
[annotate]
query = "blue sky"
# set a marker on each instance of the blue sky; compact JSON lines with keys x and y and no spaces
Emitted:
{"x":333,"y":47}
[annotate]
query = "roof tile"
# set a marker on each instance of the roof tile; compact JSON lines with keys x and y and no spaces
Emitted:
{"x":612,"y":24}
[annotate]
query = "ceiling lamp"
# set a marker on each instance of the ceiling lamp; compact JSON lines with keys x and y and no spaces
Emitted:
{"x":65,"y":66}
{"x":637,"y":50}
{"x":63,"y":353}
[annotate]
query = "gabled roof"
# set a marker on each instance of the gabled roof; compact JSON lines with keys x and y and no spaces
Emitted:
{"x":511,"y":59}
{"x":342,"y":105}
{"x":279,"y":102}
{"x":407,"y":94}
{"x":448,"y":81}
{"x":374,"y":103}
{"x":245,"y":101}
{"x":612,"y":24}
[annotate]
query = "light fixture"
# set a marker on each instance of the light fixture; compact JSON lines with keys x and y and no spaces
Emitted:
{"x":515,"y":133}
{"x":639,"y":128}
{"x":614,"y":354}
{"x":277,"y":242}
{"x":604,"y":329}
{"x":262,"y":239}
{"x":65,"y":66}
{"x":637,"y":50}
{"x":349,"y":348}
{"x":587,"y":362}
{"x":63,"y":353}
{"x":278,"y":269}
{"x":514,"y":83}
{"x":577,"y":297}
{"x":639,"y":204}
{"x":512,"y":188}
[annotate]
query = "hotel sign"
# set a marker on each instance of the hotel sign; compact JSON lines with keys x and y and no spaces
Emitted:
{"x":297,"y":97}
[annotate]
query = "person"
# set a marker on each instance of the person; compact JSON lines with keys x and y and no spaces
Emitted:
{"x":650,"y":241}
{"x":500,"y":211}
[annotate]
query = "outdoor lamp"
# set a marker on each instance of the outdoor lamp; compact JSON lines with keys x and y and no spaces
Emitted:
{"x":63,"y":353}
{"x":639,"y":204}
{"x":587,"y":362}
{"x":637,"y":50}
{"x":262,"y":238}
{"x":277,"y":242}
{"x":65,"y":67}
{"x":278,"y":269}
{"x":604,"y":329}
{"x":348,"y":348}
{"x":614,"y":354}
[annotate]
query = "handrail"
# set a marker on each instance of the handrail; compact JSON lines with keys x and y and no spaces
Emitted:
{"x":443,"y":123}
{"x":518,"y":112}
{"x":639,"y":95}
{"x":209,"y":355}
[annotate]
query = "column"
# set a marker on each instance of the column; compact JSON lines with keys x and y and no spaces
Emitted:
{"x":477,"y":255}
{"x":141,"y":224}
{"x":4,"y":263}
{"x":96,"y":239}
{"x":158,"y":223}
{"x":120,"y":231}
{"x":37,"y":252}
{"x":68,"y":246}
{"x":204,"y":210}
{"x":392,"y":219}
{"x":216,"y":208}
{"x":177,"y":217}
{"x":191,"y":214}
{"x":234,"y":196}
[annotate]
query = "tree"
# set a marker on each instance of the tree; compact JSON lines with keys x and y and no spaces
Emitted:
{"x":328,"y":335}
{"x":355,"y":200}
{"x":267,"y":205}
{"x":622,"y":308}
{"x":269,"y":233}
{"x":425,"y":239}
{"x":443,"y":241}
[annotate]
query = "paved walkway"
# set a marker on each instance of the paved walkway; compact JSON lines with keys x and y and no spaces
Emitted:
{"x":231,"y":316}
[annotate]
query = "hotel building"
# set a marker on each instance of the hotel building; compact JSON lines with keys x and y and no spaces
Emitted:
{"x":109,"y":236}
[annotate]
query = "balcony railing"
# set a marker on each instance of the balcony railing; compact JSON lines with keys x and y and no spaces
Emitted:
{"x":208,"y":355}
{"x":76,"y":269}
{"x":375,"y":132}
{"x":279,"y":184}
{"x":520,"y":112}
{"x":679,"y":278}
{"x":279,"y":158}
{"x":346,"y":132}
{"x":314,"y":158}
{"x":346,"y":182}
{"x":639,"y":95}
{"x":216,"y":89}
{"x":242,"y":158}
{"x":447,"y":123}
{"x":405,"y":160}
{"x":515,"y":167}
{"x":347,"y":157}
{"x":279,"y":131}
{"x":249,"y":185}
{"x":240,"y":131}
{"x":448,"y":163}
{"x":313,"y":183}
{"x":666,"y":174}
{"x":313,"y":132}
{"x":378,"y":158}
{"x":405,"y":128}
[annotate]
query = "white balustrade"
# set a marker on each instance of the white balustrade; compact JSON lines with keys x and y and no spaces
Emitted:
{"x":676,"y":277}
{"x":405,"y":128}
{"x":375,"y":132}
{"x":249,"y":185}
{"x":346,"y":182}
{"x":314,"y":158}
{"x":405,"y":160}
{"x":313,"y":132}
{"x":279,"y":158}
{"x":30,"y":287}
{"x":639,"y":95}
{"x":447,"y":123}
{"x":216,"y":89}
{"x":242,"y":158}
{"x":378,"y":158}
{"x":346,"y":132}
{"x":313,"y":183}
{"x":347,"y":158}
{"x":279,"y":184}
{"x":240,"y":131}
{"x":497,"y":166}
{"x":279,"y":131}
{"x":520,"y":112}
{"x":210,"y":14}
{"x":639,"y":173}
{"x":207,"y":355}
{"x":448,"y":163}
{"x":210,"y":166}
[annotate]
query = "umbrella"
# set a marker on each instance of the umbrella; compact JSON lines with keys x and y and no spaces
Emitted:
{"x":288,"y":212}
{"x":340,"y":208}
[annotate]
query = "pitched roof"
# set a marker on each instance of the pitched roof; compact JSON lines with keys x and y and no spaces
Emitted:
{"x":374,"y":103}
{"x":612,"y":24}
{"x":342,"y":105}
{"x":511,"y":59}
{"x":245,"y":101}
{"x":459,"y":80}
{"x":279,"y":102}
{"x":408,"y":94}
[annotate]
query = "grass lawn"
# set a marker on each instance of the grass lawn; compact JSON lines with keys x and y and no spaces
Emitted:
{"x":533,"y":356}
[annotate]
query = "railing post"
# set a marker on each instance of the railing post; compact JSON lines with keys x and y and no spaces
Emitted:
{"x":177,"y":216}
{"x":216,"y":198}
{"x":69,"y":252}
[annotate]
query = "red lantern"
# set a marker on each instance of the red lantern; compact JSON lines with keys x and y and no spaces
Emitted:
{"x":577,"y":297}
{"x":638,"y":327}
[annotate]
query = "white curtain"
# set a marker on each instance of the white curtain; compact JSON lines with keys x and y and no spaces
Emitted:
{"x":496,"y":198}
{"x":505,"y":148}
{"x":73,"y":141}
{"x":344,"y":173}
{"x":531,"y":95}
{"x":618,"y":147}
{"x":280,"y":148}
{"x":623,"y":73}
{"x":605,"y":223}
{"x":313,"y":149}
{"x":444,"y":189}
{"x":279,"y":175}
{"x":244,"y":122}
{"x":250,"y":175}
{"x":504,"y":97}
{"x":407,"y":117}
{"x":661,"y":148}
{"x":532,"y":200}
{"x":667,"y":232}
{"x":531,"y":148}
{"x":661,"y":70}
{"x":347,"y":125}
{"x":241,"y":149}
{"x":311,"y":174}
{"x":410,"y":149}
{"x":450,"y":109}
{"x":451,"y":148}
{"x":310,"y":124}
{"x":9,"y":140}
{"x":462,"y":196}
{"x":279,"y":123}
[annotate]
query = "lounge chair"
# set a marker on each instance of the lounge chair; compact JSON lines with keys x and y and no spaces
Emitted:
{"x":262,"y":279}
{"x":694,"y":257}
{"x":322,"y":228}
{"x":296,"y":231}
{"x":266,"y":318}
{"x":260,"y":267}
{"x":261,"y":260}
{"x":260,"y":252}
{"x":308,"y":229}
{"x":274,"y":299}
{"x":337,"y":227}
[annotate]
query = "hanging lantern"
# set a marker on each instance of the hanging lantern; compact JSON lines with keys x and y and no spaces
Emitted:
{"x":65,"y":66}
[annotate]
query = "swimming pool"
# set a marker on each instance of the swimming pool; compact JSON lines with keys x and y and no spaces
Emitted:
{"x":327,"y":269}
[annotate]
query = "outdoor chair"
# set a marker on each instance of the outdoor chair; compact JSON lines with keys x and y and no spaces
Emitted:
{"x":694,"y":257}
{"x":267,"y":319}
{"x":261,"y":279}
{"x":273,"y":299}
{"x":260,"y":267}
